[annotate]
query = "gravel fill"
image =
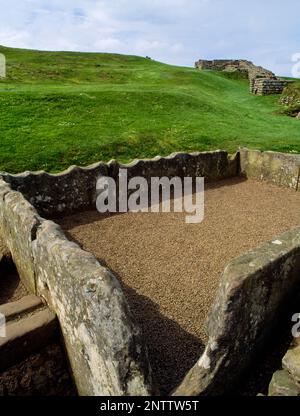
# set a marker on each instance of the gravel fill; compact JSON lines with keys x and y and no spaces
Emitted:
{"x":170,"y":270}
{"x":42,"y":374}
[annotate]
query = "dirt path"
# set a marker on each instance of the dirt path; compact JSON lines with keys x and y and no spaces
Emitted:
{"x":170,"y":270}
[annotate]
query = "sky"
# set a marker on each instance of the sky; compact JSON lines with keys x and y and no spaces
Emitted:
{"x":177,"y":32}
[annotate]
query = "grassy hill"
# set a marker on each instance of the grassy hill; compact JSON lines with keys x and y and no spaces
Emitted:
{"x":63,"y":108}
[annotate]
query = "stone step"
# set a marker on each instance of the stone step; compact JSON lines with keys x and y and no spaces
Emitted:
{"x":26,"y":335}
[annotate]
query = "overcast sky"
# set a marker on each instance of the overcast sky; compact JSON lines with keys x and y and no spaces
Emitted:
{"x":173,"y":31}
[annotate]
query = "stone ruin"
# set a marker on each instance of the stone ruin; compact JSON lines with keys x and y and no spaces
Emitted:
{"x":267,"y":86}
{"x":262,"y":81}
{"x":230,"y":65}
{"x":105,"y":347}
{"x":2,"y":66}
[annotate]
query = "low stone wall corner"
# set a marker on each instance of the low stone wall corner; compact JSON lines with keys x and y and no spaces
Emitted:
{"x":253,"y":290}
{"x":281,"y":169}
{"x":105,"y":347}
{"x":74,"y":190}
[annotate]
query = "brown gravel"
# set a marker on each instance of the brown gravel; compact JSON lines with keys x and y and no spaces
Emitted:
{"x":170,"y":270}
{"x":42,"y":374}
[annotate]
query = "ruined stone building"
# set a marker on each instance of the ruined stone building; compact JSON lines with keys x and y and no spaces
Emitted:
{"x":262,"y":81}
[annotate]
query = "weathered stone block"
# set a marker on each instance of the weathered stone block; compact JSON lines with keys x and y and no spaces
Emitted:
{"x":25,"y":336}
{"x":279,"y":168}
{"x":253,"y":289}
{"x":105,"y":348}
{"x":282,"y":384}
{"x":18,"y":223}
{"x":291,"y":362}
{"x":16,"y":309}
{"x":75,"y":189}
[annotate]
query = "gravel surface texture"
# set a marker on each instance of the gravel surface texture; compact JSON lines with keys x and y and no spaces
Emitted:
{"x":42,"y":374}
{"x":170,"y":270}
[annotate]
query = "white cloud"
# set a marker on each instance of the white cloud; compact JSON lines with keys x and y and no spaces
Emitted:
{"x":107,"y":45}
{"x":15,"y":37}
{"x":174,"y":31}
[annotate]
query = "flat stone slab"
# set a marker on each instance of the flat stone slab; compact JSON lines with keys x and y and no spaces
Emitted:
{"x":21,"y":307}
{"x":26,"y":336}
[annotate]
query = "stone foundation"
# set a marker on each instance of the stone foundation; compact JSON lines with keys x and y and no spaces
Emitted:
{"x":231,"y":65}
{"x":75,"y":189}
{"x":267,"y":86}
{"x":262,"y":81}
{"x":104,"y":345}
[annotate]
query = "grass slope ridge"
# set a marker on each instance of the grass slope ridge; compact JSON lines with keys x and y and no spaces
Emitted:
{"x":64,"y":108}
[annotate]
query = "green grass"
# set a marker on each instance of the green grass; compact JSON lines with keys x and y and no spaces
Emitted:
{"x":59,"y":109}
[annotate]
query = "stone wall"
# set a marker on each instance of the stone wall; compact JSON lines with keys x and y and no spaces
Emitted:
{"x":282,"y":169}
{"x":262,"y":81}
{"x":230,"y":65}
{"x":253,"y":290}
{"x":75,"y":189}
{"x":286,"y":381}
{"x":291,"y":95}
{"x":104,"y":346}
{"x":105,"y":349}
{"x":2,"y":66}
{"x":267,"y":86}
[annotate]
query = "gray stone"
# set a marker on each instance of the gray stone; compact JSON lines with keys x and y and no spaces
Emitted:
{"x":252,"y":291}
{"x":105,"y":348}
{"x":104,"y":345}
{"x":240,"y":65}
{"x":282,"y":169}
{"x":268,"y":86}
{"x":262,"y":81}
{"x":291,"y":361}
{"x":282,"y":384}
{"x":16,"y":309}
{"x":75,"y":189}
{"x":26,"y":336}
{"x":18,"y":223}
